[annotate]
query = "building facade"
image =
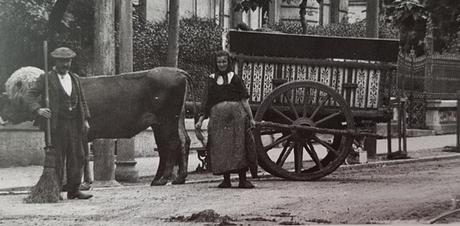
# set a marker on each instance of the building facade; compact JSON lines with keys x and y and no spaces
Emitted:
{"x":323,"y":13}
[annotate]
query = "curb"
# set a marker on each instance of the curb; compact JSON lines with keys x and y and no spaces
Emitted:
{"x":262,"y":175}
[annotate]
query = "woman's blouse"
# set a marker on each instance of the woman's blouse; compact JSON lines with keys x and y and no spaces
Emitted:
{"x":232,"y":90}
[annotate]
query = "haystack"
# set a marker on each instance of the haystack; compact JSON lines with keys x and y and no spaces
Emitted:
{"x":20,"y":81}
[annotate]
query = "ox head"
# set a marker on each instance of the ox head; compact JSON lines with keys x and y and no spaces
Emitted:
{"x":12,"y":111}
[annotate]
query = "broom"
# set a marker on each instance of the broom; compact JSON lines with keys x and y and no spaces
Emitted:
{"x":47,"y":189}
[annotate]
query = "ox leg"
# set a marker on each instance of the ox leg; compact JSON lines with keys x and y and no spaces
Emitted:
{"x":168,"y":141}
{"x":161,"y":165}
{"x":182,"y":159}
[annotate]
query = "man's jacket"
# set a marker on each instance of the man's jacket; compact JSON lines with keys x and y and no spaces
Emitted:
{"x":35,"y":99}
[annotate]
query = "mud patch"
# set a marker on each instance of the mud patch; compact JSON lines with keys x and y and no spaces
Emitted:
{"x":259,"y":219}
{"x":290,"y":223}
{"x":208,"y":215}
{"x":428,"y":211}
{"x":319,"y":221}
{"x":282,"y":214}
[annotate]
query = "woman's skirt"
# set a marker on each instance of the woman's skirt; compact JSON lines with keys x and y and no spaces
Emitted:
{"x":230,"y":142}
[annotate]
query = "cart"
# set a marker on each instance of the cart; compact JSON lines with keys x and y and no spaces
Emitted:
{"x":313,"y":96}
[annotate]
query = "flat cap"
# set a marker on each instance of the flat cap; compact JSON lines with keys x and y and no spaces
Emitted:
{"x":63,"y":53}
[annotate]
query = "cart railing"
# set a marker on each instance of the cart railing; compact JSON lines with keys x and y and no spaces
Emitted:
{"x":365,"y":85}
{"x":359,"y":69}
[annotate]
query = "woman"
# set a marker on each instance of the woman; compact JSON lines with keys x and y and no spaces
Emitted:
{"x":225,"y":102}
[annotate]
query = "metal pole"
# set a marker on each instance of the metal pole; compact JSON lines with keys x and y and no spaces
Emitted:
{"x":458,"y":121}
{"x":47,"y":94}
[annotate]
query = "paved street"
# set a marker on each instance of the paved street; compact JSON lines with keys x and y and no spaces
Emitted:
{"x":390,"y":194}
{"x":27,"y":176}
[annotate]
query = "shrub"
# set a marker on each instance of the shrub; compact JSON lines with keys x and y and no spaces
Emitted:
{"x":198,"y":39}
{"x":344,"y":29}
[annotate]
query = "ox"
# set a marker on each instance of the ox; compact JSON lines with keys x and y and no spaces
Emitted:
{"x":122,"y":106}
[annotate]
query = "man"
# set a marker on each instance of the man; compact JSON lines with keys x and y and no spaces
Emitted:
{"x":69,"y":116}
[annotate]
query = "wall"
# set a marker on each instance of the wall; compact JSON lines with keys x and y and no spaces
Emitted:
{"x":356,"y":11}
{"x":221,"y":10}
{"x":290,"y":11}
{"x":22,"y":145}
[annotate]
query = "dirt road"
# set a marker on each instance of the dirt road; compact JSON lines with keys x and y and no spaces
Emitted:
{"x":414,"y":192}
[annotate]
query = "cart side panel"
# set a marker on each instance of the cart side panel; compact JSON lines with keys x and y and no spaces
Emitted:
{"x":359,"y":84}
{"x":357,"y":68}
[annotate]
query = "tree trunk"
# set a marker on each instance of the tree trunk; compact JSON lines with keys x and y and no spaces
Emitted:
{"x":303,"y":13}
{"x":173,"y":34}
{"x":125,"y":169}
{"x":55,"y":18}
{"x":335,"y":6}
{"x":104,"y":40}
{"x":372,"y":19}
{"x":104,"y":64}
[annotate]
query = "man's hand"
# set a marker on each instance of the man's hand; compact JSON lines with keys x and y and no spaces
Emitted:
{"x":44,"y":112}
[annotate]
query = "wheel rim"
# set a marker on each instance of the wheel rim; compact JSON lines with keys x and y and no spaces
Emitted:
{"x":299,"y":154}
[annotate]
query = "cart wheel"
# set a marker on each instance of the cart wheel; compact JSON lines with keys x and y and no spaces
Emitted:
{"x":299,"y":154}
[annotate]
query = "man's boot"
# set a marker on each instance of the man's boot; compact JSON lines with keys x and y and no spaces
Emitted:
{"x":75,"y":193}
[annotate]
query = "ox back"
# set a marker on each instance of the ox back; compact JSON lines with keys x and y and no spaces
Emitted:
{"x":123,"y":105}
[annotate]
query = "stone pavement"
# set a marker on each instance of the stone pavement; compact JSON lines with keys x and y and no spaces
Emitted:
{"x":426,"y":147}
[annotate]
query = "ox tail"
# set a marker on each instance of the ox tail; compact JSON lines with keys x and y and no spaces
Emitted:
{"x":191,"y":87}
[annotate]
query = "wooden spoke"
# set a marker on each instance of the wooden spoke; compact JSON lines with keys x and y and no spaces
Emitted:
{"x":285,"y":106}
{"x":284,"y":155}
{"x":320,"y":106}
{"x":326,"y":145}
{"x":291,"y":105}
{"x":283,"y":152}
{"x":281,"y":114}
{"x":298,"y":150}
{"x":312,"y":152}
{"x":328,"y":117}
{"x":271,"y":132}
{"x":277,"y":142}
{"x":305,"y":101}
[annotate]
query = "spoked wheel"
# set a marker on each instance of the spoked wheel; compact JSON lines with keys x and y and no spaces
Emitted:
{"x":292,"y":153}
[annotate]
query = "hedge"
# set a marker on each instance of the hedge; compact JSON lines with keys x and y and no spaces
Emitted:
{"x":198,"y":39}
{"x":344,"y":29}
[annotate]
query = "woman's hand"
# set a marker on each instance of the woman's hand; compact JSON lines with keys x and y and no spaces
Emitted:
{"x":199,"y":123}
{"x":252,"y":123}
{"x":44,"y":112}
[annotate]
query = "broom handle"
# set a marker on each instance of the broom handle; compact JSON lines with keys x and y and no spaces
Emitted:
{"x":47,"y":94}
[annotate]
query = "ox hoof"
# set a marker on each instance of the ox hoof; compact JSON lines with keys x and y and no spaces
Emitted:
{"x":179,"y":180}
{"x":159,"y":182}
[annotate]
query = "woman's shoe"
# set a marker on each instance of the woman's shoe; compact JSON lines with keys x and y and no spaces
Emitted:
{"x":245,"y":184}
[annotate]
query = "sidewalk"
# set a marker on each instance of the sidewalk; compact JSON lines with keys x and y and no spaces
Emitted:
{"x":418,"y":148}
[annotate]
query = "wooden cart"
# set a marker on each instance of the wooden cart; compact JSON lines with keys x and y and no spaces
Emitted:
{"x":312,"y":95}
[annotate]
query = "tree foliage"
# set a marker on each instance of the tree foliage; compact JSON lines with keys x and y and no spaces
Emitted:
{"x":247,"y":5}
{"x":25,"y":24}
{"x":198,"y":39}
{"x":411,"y":17}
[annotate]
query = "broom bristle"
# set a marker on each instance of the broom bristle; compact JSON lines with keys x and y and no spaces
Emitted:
{"x":47,"y":189}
